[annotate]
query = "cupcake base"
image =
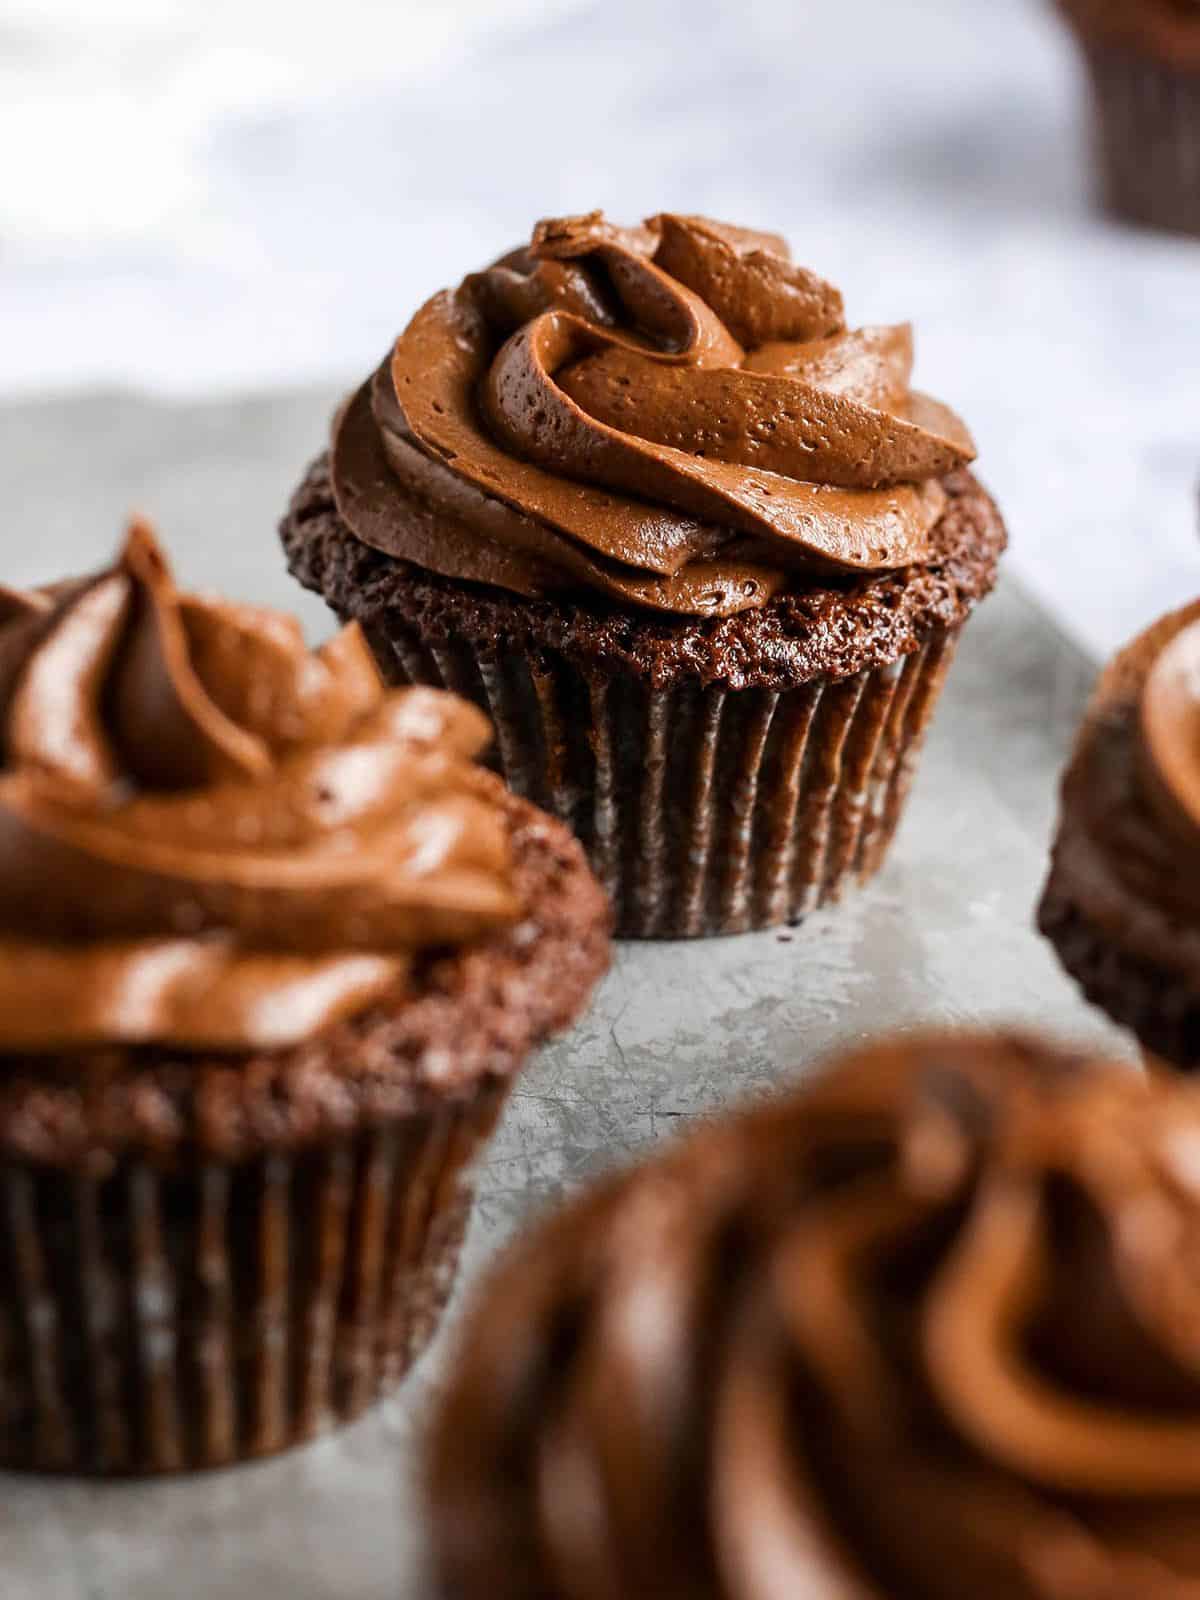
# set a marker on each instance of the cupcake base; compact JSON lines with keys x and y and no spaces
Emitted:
{"x":722,"y":776}
{"x":703,"y":810}
{"x":1156,"y":1003}
{"x":204,"y":1261}
{"x":1147,"y":137}
{"x":157,"y":1324}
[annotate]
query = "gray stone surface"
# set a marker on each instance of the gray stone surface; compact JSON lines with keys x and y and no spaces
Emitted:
{"x":214,"y":477}
{"x":676,"y":1032}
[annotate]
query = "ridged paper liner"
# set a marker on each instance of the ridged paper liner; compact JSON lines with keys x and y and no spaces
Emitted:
{"x":1147,"y":137}
{"x":703,"y":810}
{"x":1160,"y":1008}
{"x":154,"y":1323}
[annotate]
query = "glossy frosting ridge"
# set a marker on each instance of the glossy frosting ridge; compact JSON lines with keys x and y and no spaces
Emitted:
{"x":676,"y":417}
{"x":929,"y":1328}
{"x":211,"y":836}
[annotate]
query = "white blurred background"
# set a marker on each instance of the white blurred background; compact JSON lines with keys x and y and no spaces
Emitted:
{"x":244,"y":195}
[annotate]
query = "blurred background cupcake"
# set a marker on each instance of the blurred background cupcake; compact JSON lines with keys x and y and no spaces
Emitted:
{"x":1143,"y":66}
{"x":1122,"y":902}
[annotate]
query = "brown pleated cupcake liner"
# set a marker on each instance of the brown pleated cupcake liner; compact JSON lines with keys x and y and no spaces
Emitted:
{"x":704,"y":810}
{"x":158,"y":1322}
{"x":1147,"y":117}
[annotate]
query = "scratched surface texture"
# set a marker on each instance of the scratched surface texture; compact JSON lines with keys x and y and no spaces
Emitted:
{"x":676,"y":1032}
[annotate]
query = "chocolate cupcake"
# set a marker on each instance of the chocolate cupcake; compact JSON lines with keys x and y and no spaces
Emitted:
{"x":699,"y":549}
{"x":271,"y":948}
{"x":926,"y":1329}
{"x":1122,"y":902}
{"x":1143,"y":64}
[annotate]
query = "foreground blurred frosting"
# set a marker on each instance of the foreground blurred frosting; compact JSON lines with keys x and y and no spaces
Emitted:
{"x":674,"y":416}
{"x":929,"y":1329}
{"x":210,"y":836}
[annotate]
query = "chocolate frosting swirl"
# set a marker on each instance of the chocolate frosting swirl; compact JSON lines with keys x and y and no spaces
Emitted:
{"x":211,"y":837}
{"x":930,"y":1328}
{"x":674,"y":416}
